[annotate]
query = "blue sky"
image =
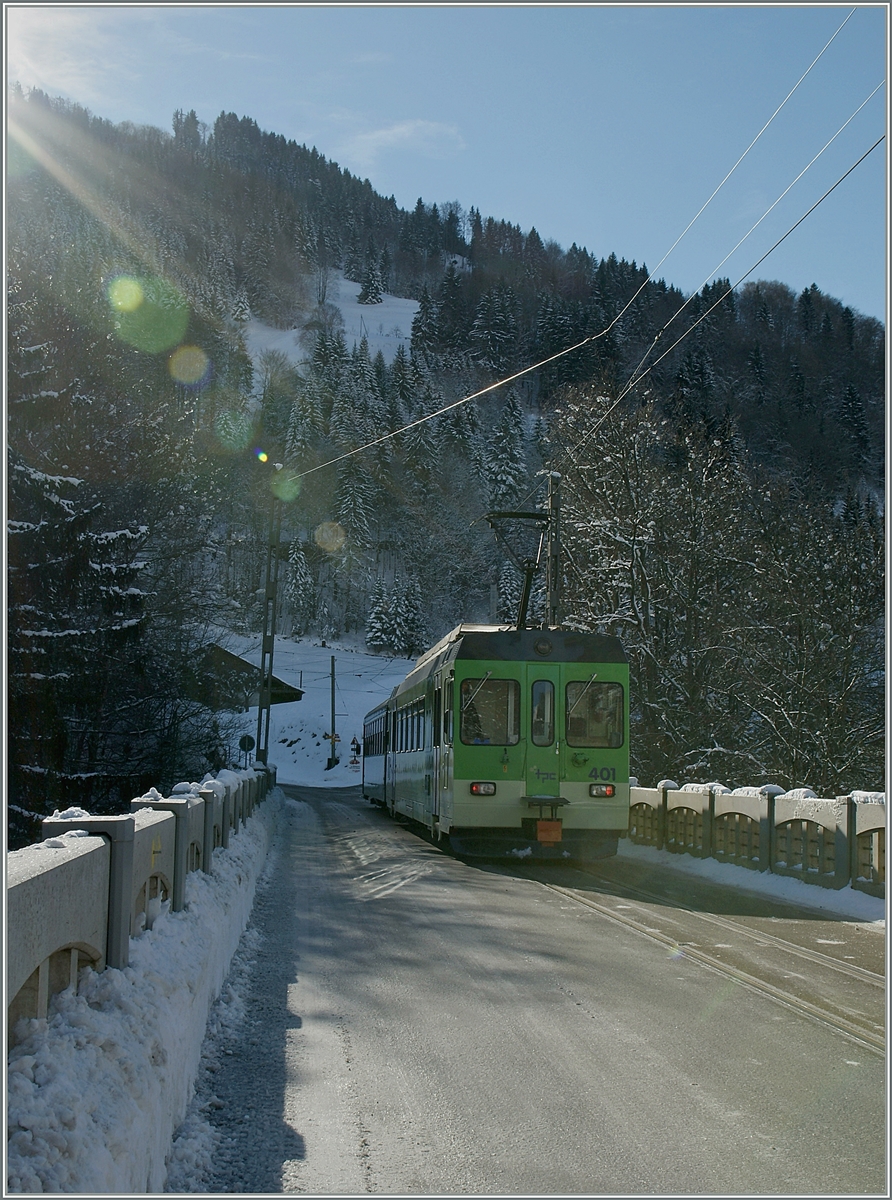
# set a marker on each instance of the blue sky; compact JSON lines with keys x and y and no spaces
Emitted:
{"x":608,"y":126}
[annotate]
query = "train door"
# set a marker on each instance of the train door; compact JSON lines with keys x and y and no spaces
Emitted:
{"x":390,"y":764}
{"x":445,"y":689}
{"x":543,"y":775}
{"x":432,"y":774}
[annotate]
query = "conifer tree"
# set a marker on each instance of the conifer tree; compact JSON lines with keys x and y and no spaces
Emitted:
{"x":354,"y":502}
{"x":509,"y":589}
{"x":300,"y":589}
{"x":424,"y":325}
{"x":379,"y":622}
{"x":505,"y":457}
{"x":372,"y":284}
{"x":410,"y":634}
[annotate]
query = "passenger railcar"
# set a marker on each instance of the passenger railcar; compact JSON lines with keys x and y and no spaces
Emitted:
{"x":508,"y":741}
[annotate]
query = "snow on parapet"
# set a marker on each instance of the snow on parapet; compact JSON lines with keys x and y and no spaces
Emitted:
{"x":96,"y":1089}
{"x":70,"y":814}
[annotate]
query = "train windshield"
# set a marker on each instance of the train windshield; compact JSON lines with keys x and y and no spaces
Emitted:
{"x":490,"y":712}
{"x":594,"y":714}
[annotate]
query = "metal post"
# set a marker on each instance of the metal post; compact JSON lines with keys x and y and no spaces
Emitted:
{"x":333,"y":758}
{"x":553,"y":559}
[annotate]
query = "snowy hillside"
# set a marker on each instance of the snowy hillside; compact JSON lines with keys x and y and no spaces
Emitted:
{"x":386,"y":325}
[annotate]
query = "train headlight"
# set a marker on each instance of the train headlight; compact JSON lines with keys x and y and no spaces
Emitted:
{"x":483,"y":789}
{"x":601,"y":789}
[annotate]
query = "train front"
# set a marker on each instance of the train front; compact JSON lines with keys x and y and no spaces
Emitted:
{"x":541,"y":746}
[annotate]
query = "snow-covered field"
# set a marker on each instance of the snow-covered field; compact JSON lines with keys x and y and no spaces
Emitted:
{"x":386,"y":325}
{"x":97,"y":1091}
{"x":297,"y":744}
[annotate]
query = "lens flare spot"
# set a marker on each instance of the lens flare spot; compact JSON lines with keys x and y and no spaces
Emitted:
{"x":330,"y":536}
{"x":261,"y":454}
{"x":189,"y":365}
{"x":285,"y":486}
{"x":233,"y":430}
{"x":125,"y":294}
{"x":150,"y":314}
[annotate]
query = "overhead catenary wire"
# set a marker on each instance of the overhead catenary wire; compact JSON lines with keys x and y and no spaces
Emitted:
{"x":587,"y":341}
{"x":635,"y":378}
{"x":707,"y":202}
{"x":632,"y":383}
{"x":603,"y":333}
{"x":755,"y":226}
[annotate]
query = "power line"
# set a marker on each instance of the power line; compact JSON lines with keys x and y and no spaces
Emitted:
{"x":734,"y":168}
{"x":752,"y":229}
{"x":633,"y":382}
{"x":603,"y":333}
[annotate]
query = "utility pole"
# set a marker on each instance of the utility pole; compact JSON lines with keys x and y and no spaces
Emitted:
{"x":271,"y":589}
{"x":553,"y":558}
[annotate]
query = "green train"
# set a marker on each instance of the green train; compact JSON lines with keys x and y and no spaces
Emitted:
{"x":508,"y":742}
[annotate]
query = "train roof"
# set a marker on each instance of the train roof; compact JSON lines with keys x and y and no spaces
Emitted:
{"x":506,"y":643}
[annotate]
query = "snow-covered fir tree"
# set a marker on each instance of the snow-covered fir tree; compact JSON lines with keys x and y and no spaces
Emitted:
{"x":372,"y":284}
{"x":300,"y":589}
{"x":505,"y":458}
{"x":379,"y":621}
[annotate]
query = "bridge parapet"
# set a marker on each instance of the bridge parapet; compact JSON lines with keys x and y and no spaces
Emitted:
{"x":833,"y":842}
{"x":76,"y":899}
{"x":50,"y":936}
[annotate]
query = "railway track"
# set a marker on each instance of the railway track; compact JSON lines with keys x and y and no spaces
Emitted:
{"x":864,"y":1032}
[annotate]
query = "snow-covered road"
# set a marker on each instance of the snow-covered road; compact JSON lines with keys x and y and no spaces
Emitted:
{"x":274,"y":1062}
{"x":409,"y":1024}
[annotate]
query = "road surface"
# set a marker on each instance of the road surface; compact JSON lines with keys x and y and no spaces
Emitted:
{"x":419,"y":1025}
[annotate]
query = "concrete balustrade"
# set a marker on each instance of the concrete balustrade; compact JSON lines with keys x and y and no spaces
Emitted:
{"x":77,"y":898}
{"x":828,"y":842}
{"x":67,"y":880}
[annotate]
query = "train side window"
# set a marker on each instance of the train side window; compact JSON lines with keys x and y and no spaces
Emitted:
{"x":595,"y":714}
{"x":490,"y":712}
{"x":542,"y":713}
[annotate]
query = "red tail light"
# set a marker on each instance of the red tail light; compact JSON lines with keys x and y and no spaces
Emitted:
{"x":483,"y":789}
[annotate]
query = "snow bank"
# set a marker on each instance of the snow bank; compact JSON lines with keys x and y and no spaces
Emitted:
{"x":844,"y":902}
{"x":97,"y":1089}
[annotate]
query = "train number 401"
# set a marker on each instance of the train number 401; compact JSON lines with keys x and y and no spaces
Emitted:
{"x":606,"y":774}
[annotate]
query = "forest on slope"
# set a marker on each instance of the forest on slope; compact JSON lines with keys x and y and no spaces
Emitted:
{"x":725,"y":518}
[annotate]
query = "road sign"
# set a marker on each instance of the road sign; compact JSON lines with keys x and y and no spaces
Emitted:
{"x":246,"y":743}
